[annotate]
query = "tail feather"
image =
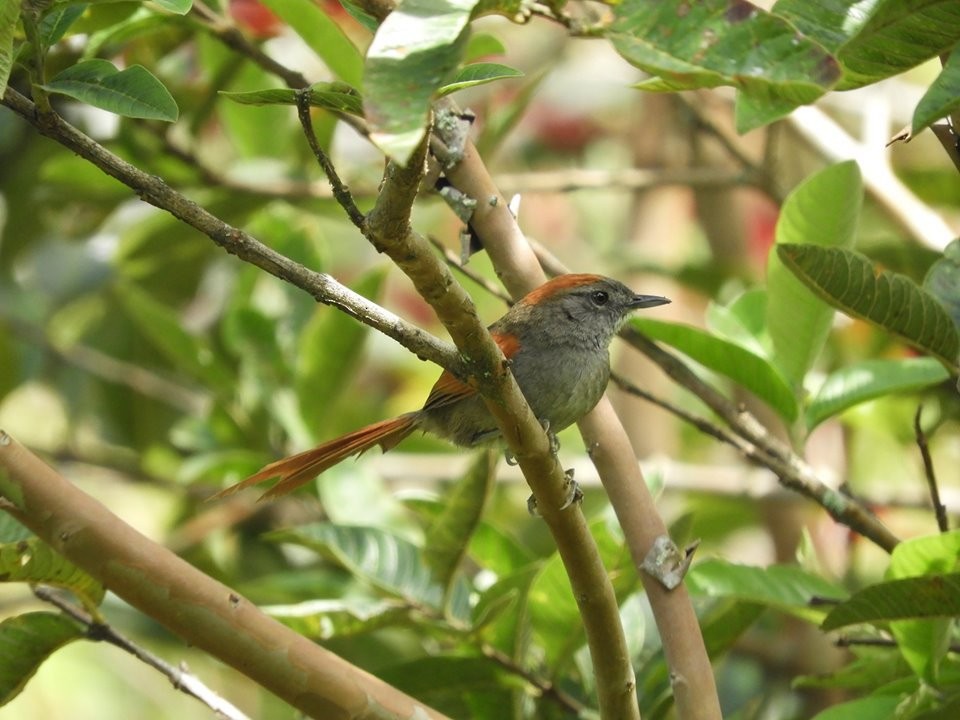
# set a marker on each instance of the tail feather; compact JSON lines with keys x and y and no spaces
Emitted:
{"x":298,"y":469}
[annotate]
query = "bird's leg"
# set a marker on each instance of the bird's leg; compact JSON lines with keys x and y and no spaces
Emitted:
{"x":511,"y":459}
{"x":552,"y":437}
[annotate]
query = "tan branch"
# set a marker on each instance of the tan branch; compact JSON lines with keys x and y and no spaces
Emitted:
{"x":194,"y":606}
{"x":519,"y":269}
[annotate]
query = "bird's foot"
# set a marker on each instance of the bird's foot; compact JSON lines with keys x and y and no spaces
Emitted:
{"x":574,"y":495}
{"x":552,"y":437}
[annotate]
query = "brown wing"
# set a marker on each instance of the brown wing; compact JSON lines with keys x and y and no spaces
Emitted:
{"x":449,"y":388}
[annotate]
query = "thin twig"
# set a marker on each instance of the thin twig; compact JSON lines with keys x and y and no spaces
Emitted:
{"x":453,"y":260}
{"x":632,"y":179}
{"x":546,"y":688}
{"x":340,"y":191}
{"x":230,"y":36}
{"x":182,"y":680}
{"x":756,"y":173}
{"x":882,"y":642}
{"x":792,"y":470}
{"x":938,"y":508}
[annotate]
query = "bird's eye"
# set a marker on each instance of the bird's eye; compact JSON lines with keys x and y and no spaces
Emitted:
{"x":599,"y":297}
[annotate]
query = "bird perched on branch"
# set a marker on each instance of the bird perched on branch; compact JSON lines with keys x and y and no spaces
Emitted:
{"x":556,"y":339}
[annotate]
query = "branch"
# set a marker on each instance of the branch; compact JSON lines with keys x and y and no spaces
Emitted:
{"x":387,"y":228}
{"x":928,"y":471}
{"x":194,"y":606}
{"x":519,"y":269}
{"x":792,"y":470}
{"x":320,"y":286}
{"x":908,"y":211}
{"x":182,"y":680}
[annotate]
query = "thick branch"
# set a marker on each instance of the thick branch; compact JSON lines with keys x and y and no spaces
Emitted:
{"x":387,"y":227}
{"x":517,"y":266}
{"x":196,"y":607}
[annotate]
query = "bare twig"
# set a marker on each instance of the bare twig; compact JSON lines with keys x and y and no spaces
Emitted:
{"x":794,"y":472}
{"x":182,"y":680}
{"x":579,"y":179}
{"x":755,"y":173}
{"x":340,"y":191}
{"x":453,"y":260}
{"x":938,"y":508}
{"x":543,"y":686}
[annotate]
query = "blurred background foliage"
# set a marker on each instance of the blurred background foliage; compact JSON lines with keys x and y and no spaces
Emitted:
{"x":153,"y":369}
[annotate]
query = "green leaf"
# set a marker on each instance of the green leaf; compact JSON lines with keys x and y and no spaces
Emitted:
{"x":897,"y":35}
{"x":56,"y":22}
{"x":742,"y":321}
{"x":329,"y":348}
{"x":360,"y":15}
{"x":323,"y":35}
{"x":478,"y":74}
{"x":25,"y":642}
{"x":706,"y":44}
{"x":483,"y":45}
{"x":9,"y":19}
{"x":873,"y":668}
{"x":742,"y":366}
{"x":924,"y":555}
{"x":823,"y":210}
{"x":927,"y":596}
{"x":12,"y":531}
{"x":553,"y":612}
{"x":503,"y":596}
{"x":415,"y":50}
{"x":338,"y":97}
{"x":448,"y":536}
{"x":491,"y":547}
{"x":831,"y":24}
{"x":334,"y":618}
{"x":871,"y":379}
{"x":192,"y":354}
{"x":943,"y":280}
{"x":894,"y":302}
{"x":388,"y":562}
{"x":33,"y":561}
{"x":178,"y":7}
{"x":133,"y":92}
{"x":942,"y":97}
{"x":874,"y":707}
{"x":785,"y":587}
{"x":924,"y":643}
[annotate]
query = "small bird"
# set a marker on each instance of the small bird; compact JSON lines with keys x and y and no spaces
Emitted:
{"x":556,"y":339}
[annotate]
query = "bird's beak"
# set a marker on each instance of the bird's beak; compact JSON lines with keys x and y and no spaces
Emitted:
{"x":647,"y":301}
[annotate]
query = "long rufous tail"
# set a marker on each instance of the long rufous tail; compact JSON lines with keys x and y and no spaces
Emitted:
{"x":298,"y":469}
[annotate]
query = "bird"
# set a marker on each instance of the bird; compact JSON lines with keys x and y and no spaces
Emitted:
{"x":556,"y":339}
